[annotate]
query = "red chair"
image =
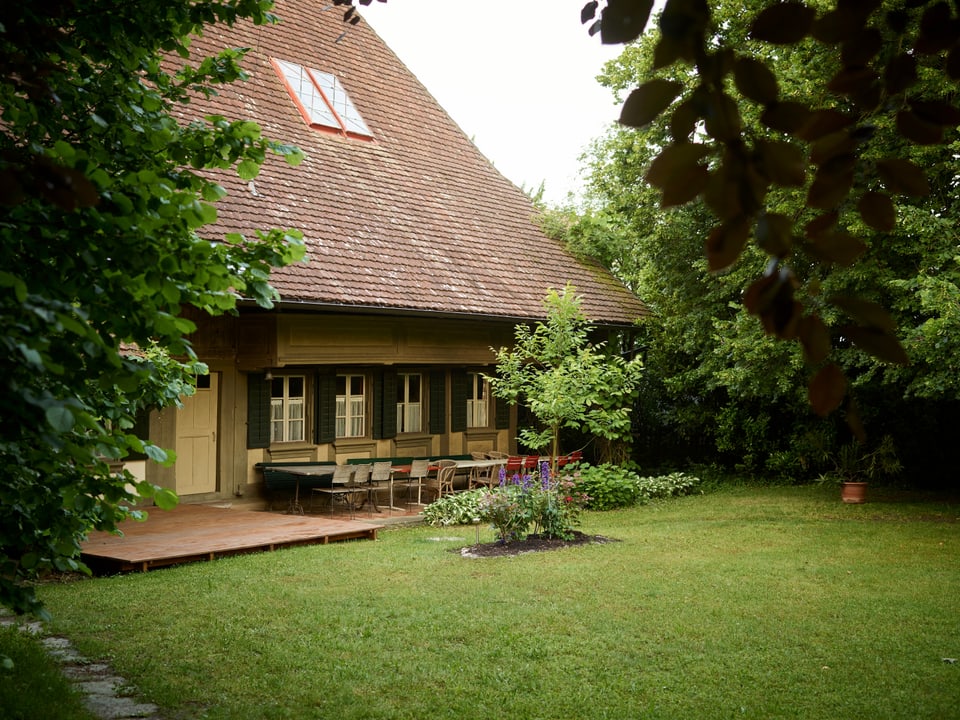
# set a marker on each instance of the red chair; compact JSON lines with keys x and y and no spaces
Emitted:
{"x":514,"y":465}
{"x":531,"y":462}
{"x":576,"y":456}
{"x":562,"y":460}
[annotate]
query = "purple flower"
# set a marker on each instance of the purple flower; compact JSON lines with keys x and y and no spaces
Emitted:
{"x":503,"y":476}
{"x":545,"y":470}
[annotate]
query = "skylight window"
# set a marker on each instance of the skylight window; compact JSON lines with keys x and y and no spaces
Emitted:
{"x":322,"y":100}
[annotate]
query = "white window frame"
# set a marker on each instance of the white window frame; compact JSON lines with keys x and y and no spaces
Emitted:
{"x":288,"y":412}
{"x":478,"y":401}
{"x":322,"y":100}
{"x":351,"y":407}
{"x":409,"y":412}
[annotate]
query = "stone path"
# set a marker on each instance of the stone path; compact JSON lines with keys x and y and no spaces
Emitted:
{"x":107,"y":695}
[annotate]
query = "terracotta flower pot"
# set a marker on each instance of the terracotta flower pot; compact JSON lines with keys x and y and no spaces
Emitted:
{"x":853,"y":492}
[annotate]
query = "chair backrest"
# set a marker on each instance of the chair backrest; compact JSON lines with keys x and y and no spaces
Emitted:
{"x":342,"y":474}
{"x":576,"y":456}
{"x":497,"y":455}
{"x":531,"y":462}
{"x":514,"y":464}
{"x":381,"y":471}
{"x":419,"y":468}
{"x":478,"y":455}
{"x":445,"y":476}
{"x":446,"y":463}
{"x":361,"y":473}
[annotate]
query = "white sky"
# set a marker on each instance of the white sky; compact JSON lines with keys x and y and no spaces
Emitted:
{"x":519,"y":79}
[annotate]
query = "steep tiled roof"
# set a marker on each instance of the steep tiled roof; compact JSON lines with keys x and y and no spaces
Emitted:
{"x":416,"y":219}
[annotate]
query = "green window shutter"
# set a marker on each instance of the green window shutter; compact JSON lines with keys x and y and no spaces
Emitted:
{"x":325,"y":427}
{"x":385,"y":404}
{"x":438,"y":402}
{"x":258,"y":411}
{"x":502,"y":414}
{"x":458,"y":401}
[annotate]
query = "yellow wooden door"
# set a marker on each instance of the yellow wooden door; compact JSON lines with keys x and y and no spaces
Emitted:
{"x":196,"y":466}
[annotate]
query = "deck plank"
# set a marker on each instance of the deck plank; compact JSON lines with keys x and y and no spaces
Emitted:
{"x":190,"y":533}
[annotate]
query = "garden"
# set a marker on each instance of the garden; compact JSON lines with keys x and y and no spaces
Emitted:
{"x":762,"y":602}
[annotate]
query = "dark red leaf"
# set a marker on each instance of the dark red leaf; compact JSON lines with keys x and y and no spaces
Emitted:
{"x":865,"y":312}
{"x":783,"y":24}
{"x":916,"y":129}
{"x":827,"y":389}
{"x":877,"y":211}
{"x":879,"y":343}
{"x":789,"y":117}
{"x":588,"y":12}
{"x":726,"y":242}
{"x":900,"y":73}
{"x":645,"y":103}
{"x":624,"y":20}
{"x":755,"y":80}
{"x":903,"y":177}
{"x":815,"y":339}
{"x":837,"y":247}
{"x":784,"y":164}
{"x":774,"y":234}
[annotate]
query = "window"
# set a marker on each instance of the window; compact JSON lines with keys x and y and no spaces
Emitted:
{"x":476,"y":400}
{"x":322,"y":100}
{"x":287,"y":408}
{"x":408,"y":402}
{"x":351,"y":406}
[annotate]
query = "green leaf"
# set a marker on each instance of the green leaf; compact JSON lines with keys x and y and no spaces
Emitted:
{"x":248,"y":169}
{"x":60,"y":418}
{"x":166,"y":499}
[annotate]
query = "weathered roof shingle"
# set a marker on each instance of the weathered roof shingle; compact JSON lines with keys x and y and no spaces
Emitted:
{"x":416,"y":220}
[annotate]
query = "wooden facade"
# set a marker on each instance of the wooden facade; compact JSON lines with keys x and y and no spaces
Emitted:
{"x":219,"y":445}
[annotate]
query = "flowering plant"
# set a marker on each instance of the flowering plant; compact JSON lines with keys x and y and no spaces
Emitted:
{"x":551,"y":506}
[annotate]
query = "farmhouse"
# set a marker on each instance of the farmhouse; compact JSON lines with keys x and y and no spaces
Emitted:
{"x":421,"y":256}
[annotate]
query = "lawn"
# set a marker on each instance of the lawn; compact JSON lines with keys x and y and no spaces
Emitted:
{"x":747,"y":602}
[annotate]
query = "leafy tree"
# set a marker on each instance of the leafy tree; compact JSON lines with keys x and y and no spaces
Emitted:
{"x":711,"y":374}
{"x":565,"y":380}
{"x":805,"y":174}
{"x":104,"y":196}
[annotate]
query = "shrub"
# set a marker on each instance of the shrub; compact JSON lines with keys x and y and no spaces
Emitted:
{"x":457,"y":509}
{"x":607,"y":486}
{"x":665,"y":486}
{"x":551,"y":506}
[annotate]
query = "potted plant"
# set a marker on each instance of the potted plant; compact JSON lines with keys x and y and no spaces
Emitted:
{"x":856,"y":467}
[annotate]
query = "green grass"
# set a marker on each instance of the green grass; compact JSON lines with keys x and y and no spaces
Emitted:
{"x":754,"y":603}
{"x":35,"y":686}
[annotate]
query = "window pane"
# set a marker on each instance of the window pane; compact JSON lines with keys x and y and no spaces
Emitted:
{"x":276,"y":387}
{"x":296,"y":387}
{"x":356,"y":384}
{"x":296,"y":410}
{"x":413,"y":418}
{"x":307,"y":93}
{"x":296,"y":431}
{"x":414,"y":394}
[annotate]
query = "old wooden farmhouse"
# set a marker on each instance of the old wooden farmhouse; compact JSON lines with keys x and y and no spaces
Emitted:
{"x":421,"y":257}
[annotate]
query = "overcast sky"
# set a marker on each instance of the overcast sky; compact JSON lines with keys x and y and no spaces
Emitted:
{"x":519,"y":79}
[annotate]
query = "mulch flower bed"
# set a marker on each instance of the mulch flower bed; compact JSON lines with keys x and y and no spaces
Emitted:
{"x":530,"y":544}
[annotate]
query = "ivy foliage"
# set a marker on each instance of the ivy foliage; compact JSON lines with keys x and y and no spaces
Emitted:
{"x":104,"y":197}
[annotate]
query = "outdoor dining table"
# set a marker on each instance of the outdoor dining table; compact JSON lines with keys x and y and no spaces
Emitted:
{"x":475,"y":465}
{"x":303,"y":471}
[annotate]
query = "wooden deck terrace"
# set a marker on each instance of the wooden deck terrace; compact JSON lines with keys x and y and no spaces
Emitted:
{"x":190,"y":533}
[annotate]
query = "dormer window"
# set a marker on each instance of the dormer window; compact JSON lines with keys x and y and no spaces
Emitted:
{"x":322,"y":100}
